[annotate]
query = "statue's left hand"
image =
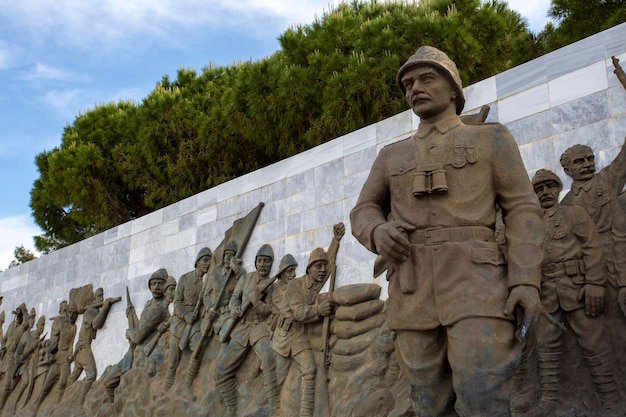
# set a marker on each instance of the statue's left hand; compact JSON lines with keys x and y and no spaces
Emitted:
{"x":594,"y":299}
{"x":527,"y":297}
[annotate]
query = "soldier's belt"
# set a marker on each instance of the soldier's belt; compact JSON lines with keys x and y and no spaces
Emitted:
{"x":437,"y":235}
{"x":570,"y":268}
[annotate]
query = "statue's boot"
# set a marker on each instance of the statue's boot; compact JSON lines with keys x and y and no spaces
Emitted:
{"x":307,"y":396}
{"x":110,"y":391}
{"x":228,"y":389}
{"x":190,"y":376}
{"x":600,"y":367}
{"x":549,"y":382}
{"x":271,"y":391}
{"x":84,"y":390}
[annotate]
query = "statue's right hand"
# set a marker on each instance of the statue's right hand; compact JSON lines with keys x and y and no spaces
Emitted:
{"x":392,"y":241}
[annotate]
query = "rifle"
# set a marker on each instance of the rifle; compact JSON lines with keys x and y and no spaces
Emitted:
{"x":230,"y":324}
{"x":133,"y":321}
{"x":149,"y":347}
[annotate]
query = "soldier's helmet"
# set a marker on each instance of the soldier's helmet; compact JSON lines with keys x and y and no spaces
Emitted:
{"x":72,"y":308}
{"x":161,"y":274}
{"x":231,"y":246}
{"x":203,"y":252}
{"x":41,"y":321}
{"x":21,"y":310}
{"x":543,"y":175}
{"x":265,"y":250}
{"x":428,"y":55}
{"x":169,"y":282}
{"x":318,"y":254}
{"x":287,"y":261}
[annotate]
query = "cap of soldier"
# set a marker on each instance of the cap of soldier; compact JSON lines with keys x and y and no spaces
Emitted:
{"x":287,"y":261}
{"x":231,"y":246}
{"x":158,"y":274}
{"x":318,"y":254}
{"x":543,"y":175}
{"x":203,"y":252}
{"x":428,"y":55}
{"x":21,"y":309}
{"x":169,"y":282}
{"x":265,"y":250}
{"x":42,"y":320}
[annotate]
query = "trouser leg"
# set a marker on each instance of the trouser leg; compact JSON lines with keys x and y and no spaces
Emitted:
{"x":483,"y":355}
{"x":423,"y":361}
{"x":231,"y":359}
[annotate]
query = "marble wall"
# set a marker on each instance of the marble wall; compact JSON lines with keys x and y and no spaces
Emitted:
{"x":566,"y":97}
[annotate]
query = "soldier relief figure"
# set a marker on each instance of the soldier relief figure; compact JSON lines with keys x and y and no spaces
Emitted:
{"x":429,"y":207}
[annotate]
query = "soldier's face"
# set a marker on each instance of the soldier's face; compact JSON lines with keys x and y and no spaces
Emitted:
{"x":203,"y":264}
{"x":63,"y":309}
{"x":429,"y":93}
{"x":72,"y":315}
{"x":289,"y":273}
{"x":263,"y":265}
{"x":228,"y":255}
{"x":40,"y":326}
{"x":318,"y":270}
{"x":169,"y":293}
{"x":31,"y":321}
{"x":582,"y":166}
{"x":156,"y":287}
{"x":99,"y":296}
{"x":547,"y":193}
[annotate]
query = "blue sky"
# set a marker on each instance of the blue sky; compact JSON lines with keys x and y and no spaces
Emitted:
{"x":62,"y":57}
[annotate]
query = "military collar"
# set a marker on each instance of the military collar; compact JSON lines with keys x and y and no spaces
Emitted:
{"x":310,"y":282}
{"x":443,"y":126}
{"x":551,"y":211}
{"x":577,"y":186}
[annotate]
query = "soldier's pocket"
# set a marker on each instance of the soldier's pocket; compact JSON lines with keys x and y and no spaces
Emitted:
{"x":487,"y":253}
{"x":401,"y":184}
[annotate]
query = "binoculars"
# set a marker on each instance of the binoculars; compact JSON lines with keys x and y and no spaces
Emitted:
{"x":429,"y":179}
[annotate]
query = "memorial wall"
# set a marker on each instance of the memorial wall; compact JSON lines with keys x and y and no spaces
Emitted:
{"x":567,"y":97}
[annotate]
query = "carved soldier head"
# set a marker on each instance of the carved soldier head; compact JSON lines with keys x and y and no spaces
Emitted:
{"x":41,"y":323}
{"x":547,"y":186}
{"x":99,"y":295}
{"x":579,"y":162}
{"x":157,"y":281}
{"x":72,"y":313}
{"x":170,"y":288}
{"x":287,"y":268}
{"x":430,"y":83}
{"x":230,"y":250}
{"x":203,"y":260}
{"x":63,"y":308}
{"x":317,"y":267}
{"x":264,"y":260}
{"x":31,"y":318}
{"x":20,"y":312}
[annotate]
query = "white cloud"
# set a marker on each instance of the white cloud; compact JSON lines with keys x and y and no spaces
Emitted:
{"x":88,"y":24}
{"x":535,"y":11}
{"x":45,"y":72}
{"x":16,"y":231}
{"x":65,"y":102}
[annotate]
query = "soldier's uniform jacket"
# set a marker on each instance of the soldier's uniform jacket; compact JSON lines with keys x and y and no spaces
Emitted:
{"x":455,"y":269}
{"x":252,"y":326}
{"x":297,"y":309}
{"x":599,"y":197}
{"x":154,"y":313}
{"x":573,"y":257}
{"x":185,"y":298}
{"x":212,"y":291}
{"x":67,"y":333}
{"x":25,"y":348}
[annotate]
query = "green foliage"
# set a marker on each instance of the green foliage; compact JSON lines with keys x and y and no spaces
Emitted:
{"x":578,"y":19}
{"x":120,"y":161}
{"x":22,"y":255}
